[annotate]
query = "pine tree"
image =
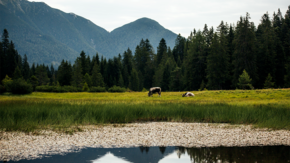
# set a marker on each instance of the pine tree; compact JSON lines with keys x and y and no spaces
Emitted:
{"x":77,"y":73}
{"x":166,"y":77}
{"x":2,"y":63}
{"x":230,"y":38}
{"x":175,"y":81}
{"x":88,"y":80}
{"x":121,"y":81}
{"x":41,"y":75}
{"x":97,"y":79}
{"x":25,"y":69}
{"x":217,"y":63}
{"x":64,"y":74}
{"x":280,"y":59}
{"x":268,"y":83}
{"x":195,"y":62}
{"x":160,"y":50}
{"x":178,"y":50}
{"x":134,"y":81}
{"x":17,"y":74}
{"x":86,"y":87}
{"x":245,"y":49}
{"x":5,"y":41}
{"x":267,"y":49}
{"x":245,"y":81}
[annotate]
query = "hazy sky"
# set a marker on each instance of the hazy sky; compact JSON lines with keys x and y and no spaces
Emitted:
{"x":179,"y":16}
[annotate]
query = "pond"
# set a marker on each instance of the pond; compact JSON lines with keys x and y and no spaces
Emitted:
{"x":265,"y":154}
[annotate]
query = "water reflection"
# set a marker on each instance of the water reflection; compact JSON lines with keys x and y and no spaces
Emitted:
{"x":109,"y":158}
{"x":267,"y":154}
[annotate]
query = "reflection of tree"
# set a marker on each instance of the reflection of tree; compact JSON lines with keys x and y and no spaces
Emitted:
{"x":162,"y":149}
{"x":237,"y":154}
{"x":144,"y":148}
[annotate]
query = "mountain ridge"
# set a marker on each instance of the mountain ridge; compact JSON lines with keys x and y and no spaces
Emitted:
{"x":48,"y":35}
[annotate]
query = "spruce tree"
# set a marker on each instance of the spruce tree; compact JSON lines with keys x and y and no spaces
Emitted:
{"x":245,"y":81}
{"x":64,"y":74}
{"x":17,"y":74}
{"x":217,"y":63}
{"x":178,"y":50}
{"x":25,"y":69}
{"x":175,"y":81}
{"x":88,"y":80}
{"x":269,"y":83}
{"x":41,"y":74}
{"x":267,"y":49}
{"x":2,"y":63}
{"x":97,"y":79}
{"x":195,"y":63}
{"x":162,"y":47}
{"x":77,"y":73}
{"x":245,"y":49}
{"x":134,"y":81}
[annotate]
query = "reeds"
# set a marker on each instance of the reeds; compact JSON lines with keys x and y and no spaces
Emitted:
{"x":27,"y":114}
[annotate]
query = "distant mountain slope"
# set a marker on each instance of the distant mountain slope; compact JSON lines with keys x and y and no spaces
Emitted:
{"x":131,"y":34}
{"x":49,"y":35}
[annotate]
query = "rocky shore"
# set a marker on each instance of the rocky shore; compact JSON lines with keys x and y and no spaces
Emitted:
{"x":18,"y":145}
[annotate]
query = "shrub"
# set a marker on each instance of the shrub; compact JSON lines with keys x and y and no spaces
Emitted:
{"x":144,"y":90}
{"x":7,"y":81}
{"x":20,"y":86}
{"x":98,"y":89}
{"x":86,"y":87}
{"x":245,"y":81}
{"x":2,"y":89}
{"x":117,"y":89}
{"x":45,"y":88}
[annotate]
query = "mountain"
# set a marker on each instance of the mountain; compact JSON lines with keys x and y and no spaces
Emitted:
{"x":48,"y":35}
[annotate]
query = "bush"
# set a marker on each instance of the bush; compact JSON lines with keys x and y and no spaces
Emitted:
{"x":144,"y":90}
{"x":20,"y":86}
{"x":45,"y":88}
{"x":98,"y":89}
{"x":2,"y":89}
{"x":86,"y":87}
{"x":7,"y":81}
{"x":117,"y":89}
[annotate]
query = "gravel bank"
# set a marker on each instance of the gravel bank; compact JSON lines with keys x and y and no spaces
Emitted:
{"x":18,"y":145}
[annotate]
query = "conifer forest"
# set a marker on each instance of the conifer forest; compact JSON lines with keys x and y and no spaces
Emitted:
{"x":230,"y":56}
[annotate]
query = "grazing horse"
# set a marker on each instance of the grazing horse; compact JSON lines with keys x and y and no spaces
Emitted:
{"x":154,"y":90}
{"x":187,"y":94}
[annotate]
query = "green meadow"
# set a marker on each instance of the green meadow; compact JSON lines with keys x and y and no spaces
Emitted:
{"x":269,"y":108}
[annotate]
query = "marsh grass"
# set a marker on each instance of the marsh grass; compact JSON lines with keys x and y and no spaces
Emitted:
{"x":61,"y":111}
{"x":28,"y":116}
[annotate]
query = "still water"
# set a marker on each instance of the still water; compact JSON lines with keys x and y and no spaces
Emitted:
{"x":265,"y":154}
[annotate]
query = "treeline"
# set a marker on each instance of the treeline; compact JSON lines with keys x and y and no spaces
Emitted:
{"x":230,"y":57}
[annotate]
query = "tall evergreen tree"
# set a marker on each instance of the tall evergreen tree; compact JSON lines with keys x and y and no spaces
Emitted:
{"x":267,"y":49}
{"x":178,"y":50}
{"x":17,"y":73}
{"x":134,"y":80}
{"x":25,"y":68}
{"x":2,"y":63}
{"x":77,"y":77}
{"x":97,"y":79}
{"x":217,"y":63}
{"x":64,"y":74}
{"x":41,"y":75}
{"x":195,"y":62}
{"x":162,"y":47}
{"x":245,"y":49}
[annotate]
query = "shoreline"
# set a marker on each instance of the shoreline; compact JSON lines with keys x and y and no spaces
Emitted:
{"x":15,"y":146}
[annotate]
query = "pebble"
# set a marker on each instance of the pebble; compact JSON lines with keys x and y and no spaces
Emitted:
{"x":15,"y":146}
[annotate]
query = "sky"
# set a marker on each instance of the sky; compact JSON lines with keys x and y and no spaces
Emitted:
{"x":179,"y":16}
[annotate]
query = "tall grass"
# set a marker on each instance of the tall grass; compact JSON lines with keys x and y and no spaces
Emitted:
{"x":26,"y":115}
